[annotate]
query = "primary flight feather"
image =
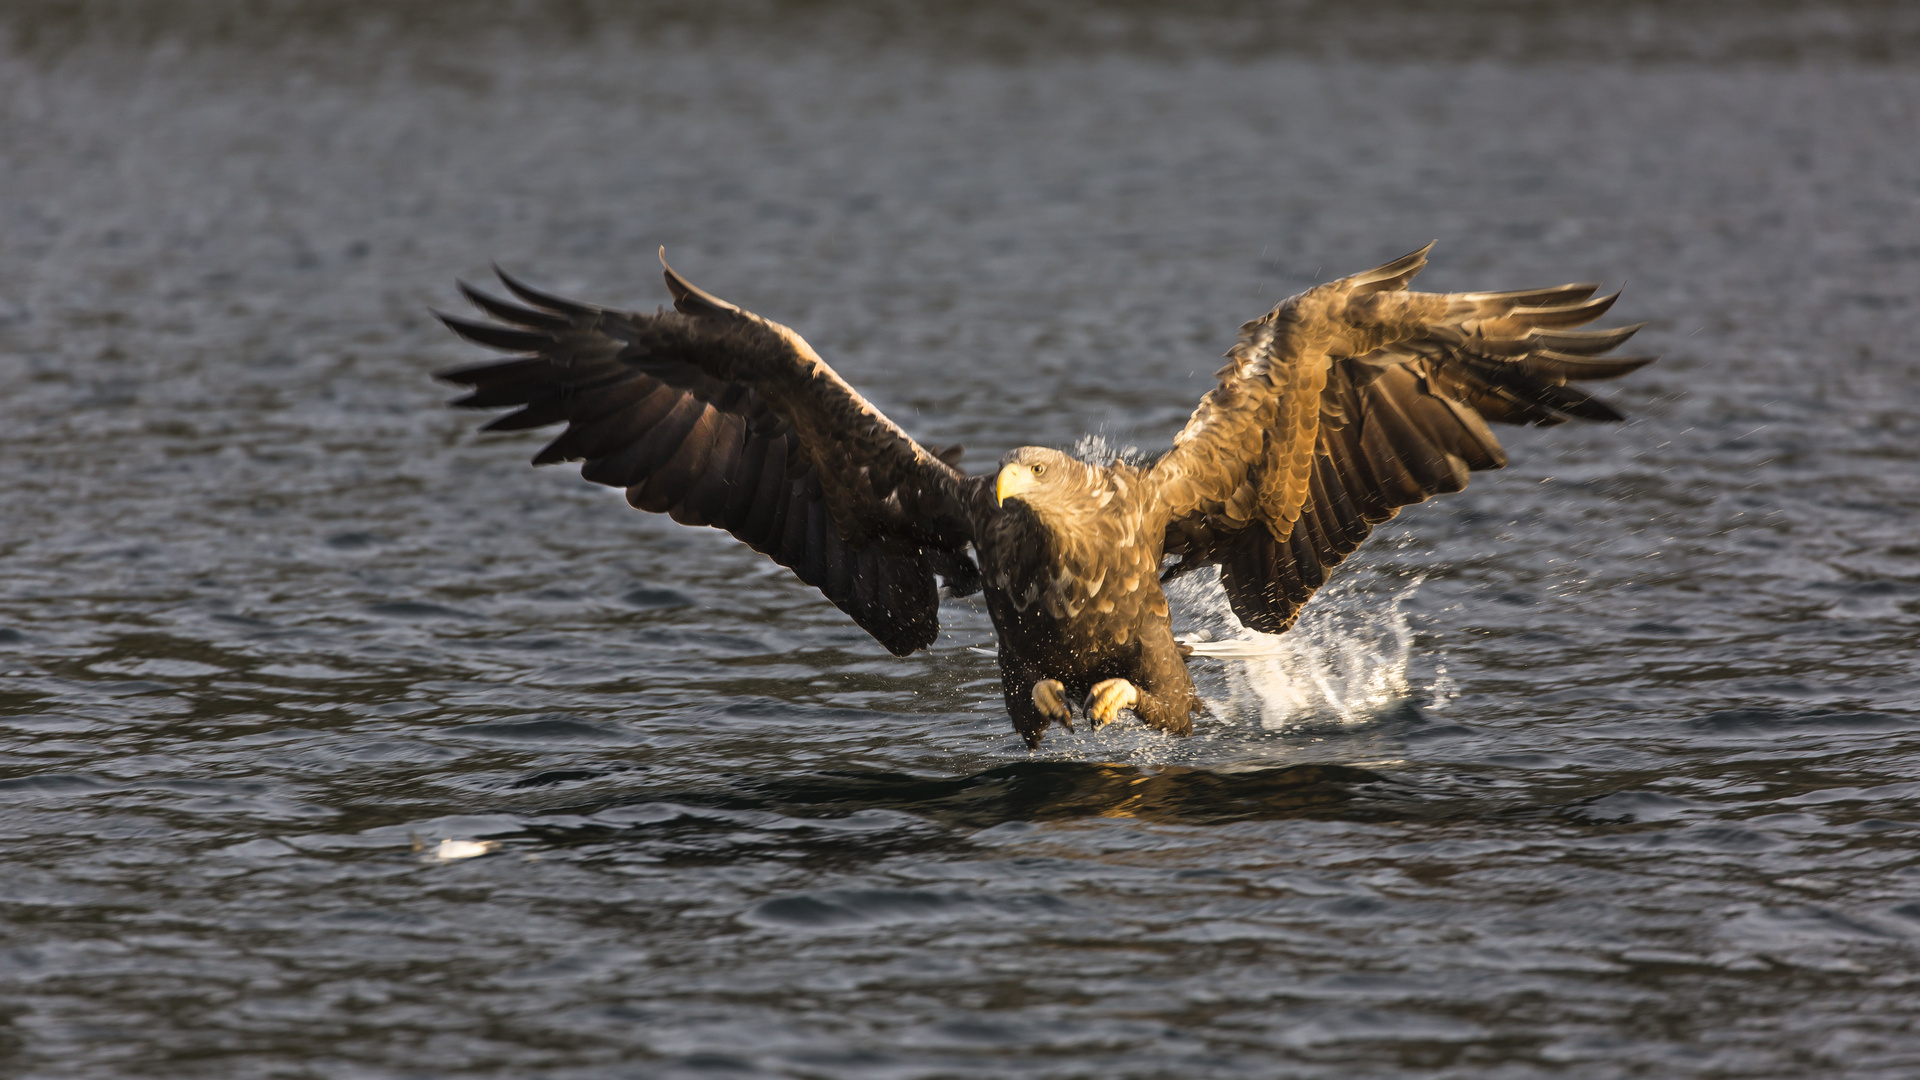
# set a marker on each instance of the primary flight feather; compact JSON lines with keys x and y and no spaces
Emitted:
{"x":1337,"y":408}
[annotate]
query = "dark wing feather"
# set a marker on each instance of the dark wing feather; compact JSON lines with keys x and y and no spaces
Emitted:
{"x":715,"y":416}
{"x":1357,"y":398}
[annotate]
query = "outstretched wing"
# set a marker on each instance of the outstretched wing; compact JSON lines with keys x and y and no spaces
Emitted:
{"x":1354,"y":399}
{"x":716,"y":416}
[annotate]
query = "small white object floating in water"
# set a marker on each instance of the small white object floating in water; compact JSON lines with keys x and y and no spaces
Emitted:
{"x":463,"y":849}
{"x":449,"y":850}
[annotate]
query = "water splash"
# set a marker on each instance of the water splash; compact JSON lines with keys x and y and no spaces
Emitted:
{"x":1097,"y":450}
{"x":1345,"y":660}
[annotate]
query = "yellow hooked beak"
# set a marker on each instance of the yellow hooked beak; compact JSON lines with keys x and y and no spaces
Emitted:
{"x":1013,"y":480}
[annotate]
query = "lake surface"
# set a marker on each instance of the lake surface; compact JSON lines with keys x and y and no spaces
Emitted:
{"x":1608,"y":766}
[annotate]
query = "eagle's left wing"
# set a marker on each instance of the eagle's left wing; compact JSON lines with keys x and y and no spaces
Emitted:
{"x":719,"y":417}
{"x":1352,"y":400}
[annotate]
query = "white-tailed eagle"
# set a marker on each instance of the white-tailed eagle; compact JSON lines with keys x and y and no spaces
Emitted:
{"x":1336,"y":408}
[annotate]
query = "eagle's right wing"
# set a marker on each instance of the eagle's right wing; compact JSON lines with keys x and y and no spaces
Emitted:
{"x":1354,"y":399}
{"x":716,"y":416}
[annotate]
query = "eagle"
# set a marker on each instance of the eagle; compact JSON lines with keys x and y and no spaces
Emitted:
{"x":1335,"y":409}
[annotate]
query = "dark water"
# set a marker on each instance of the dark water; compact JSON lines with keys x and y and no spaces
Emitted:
{"x":1606,"y":767}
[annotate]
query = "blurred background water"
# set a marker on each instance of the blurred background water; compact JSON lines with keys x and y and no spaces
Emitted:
{"x":1607,"y":766}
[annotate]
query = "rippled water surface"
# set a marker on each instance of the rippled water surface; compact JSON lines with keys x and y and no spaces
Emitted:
{"x":1607,"y":766}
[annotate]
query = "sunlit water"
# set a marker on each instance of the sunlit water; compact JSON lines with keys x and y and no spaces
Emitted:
{"x":1606,"y":766}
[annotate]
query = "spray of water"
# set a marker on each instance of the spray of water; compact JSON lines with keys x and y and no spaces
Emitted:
{"x":1344,"y":661}
{"x":1097,"y":450}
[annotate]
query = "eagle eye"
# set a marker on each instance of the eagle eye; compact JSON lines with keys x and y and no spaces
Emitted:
{"x":1038,"y":469}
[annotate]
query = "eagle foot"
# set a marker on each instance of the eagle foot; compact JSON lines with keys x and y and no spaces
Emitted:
{"x":1050,"y":697}
{"x":1108,"y":698}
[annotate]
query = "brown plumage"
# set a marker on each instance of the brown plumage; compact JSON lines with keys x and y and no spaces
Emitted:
{"x":1337,"y":408}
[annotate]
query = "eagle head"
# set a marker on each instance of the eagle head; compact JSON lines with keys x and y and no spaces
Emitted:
{"x":1045,"y":480}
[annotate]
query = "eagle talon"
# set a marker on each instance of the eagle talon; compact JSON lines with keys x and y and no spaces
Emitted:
{"x":1050,"y":697}
{"x":1108,"y":698}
